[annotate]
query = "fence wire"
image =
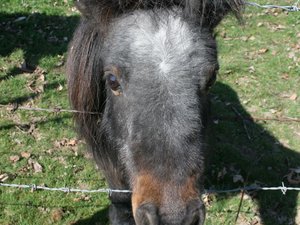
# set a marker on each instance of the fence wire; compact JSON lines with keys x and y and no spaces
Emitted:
{"x":34,"y":187}
{"x":289,"y":8}
{"x":15,"y":107}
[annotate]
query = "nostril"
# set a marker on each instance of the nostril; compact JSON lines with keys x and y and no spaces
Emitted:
{"x":147,"y":214}
{"x":195,"y":214}
{"x":196,"y":221}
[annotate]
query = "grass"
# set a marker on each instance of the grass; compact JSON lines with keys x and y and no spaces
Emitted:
{"x":260,"y":67}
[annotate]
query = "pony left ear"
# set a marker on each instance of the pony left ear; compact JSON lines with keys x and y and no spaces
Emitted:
{"x":211,"y":12}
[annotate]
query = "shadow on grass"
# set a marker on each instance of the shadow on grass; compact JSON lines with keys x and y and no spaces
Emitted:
{"x":243,"y":147}
{"x":12,"y":73}
{"x":20,"y":99}
{"x":38,"y":36}
{"x":99,"y":218}
{"x":56,"y":120}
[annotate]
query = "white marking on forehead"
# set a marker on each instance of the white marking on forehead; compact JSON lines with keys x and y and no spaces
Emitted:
{"x":166,"y":44}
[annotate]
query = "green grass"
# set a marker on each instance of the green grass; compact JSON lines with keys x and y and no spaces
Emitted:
{"x":252,"y":80}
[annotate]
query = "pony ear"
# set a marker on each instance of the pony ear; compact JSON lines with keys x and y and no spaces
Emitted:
{"x":95,"y":8}
{"x":211,"y":12}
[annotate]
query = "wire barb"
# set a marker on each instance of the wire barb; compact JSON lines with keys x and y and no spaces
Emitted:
{"x":289,"y":8}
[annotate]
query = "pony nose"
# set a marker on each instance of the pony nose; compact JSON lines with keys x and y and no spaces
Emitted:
{"x":147,"y":214}
{"x":195,"y":213}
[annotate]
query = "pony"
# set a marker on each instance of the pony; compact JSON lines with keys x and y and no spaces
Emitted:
{"x":144,"y":68}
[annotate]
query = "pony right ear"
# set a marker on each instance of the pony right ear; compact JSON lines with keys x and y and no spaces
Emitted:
{"x":211,"y":12}
{"x":86,"y":7}
{"x":98,"y":9}
{"x":82,"y":7}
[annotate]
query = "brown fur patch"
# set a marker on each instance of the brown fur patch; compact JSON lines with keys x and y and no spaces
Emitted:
{"x":148,"y":189}
{"x":189,"y":190}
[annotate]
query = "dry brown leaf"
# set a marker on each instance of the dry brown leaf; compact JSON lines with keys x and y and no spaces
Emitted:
{"x":263,"y":51}
{"x":14,"y":158}
{"x":285,"y":76}
{"x":66,"y":143}
{"x":35,"y":166}
{"x":25,"y":155}
{"x":260,"y":24}
{"x":57,"y":215}
{"x":293,"y":97}
{"x":208,"y":199}
{"x":251,"y":38}
{"x":85,"y":198}
{"x":4,"y":177}
{"x":251,"y":69}
{"x":72,"y":142}
{"x":60,"y":88}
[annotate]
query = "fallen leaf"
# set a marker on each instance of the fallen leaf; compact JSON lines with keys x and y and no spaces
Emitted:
{"x":3,"y":177}
{"x":273,"y":111}
{"x":208,"y":199}
{"x":35,"y":166}
{"x":60,"y":88}
{"x":57,"y":215}
{"x":285,"y":76}
{"x":260,"y":24}
{"x":14,"y":158}
{"x":251,"y":69}
{"x":72,"y":142}
{"x":263,"y":51}
{"x":25,"y":155}
{"x":82,"y":198}
{"x":251,"y":38}
{"x":293,"y":97}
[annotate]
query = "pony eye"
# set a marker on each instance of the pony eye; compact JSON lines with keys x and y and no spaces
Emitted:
{"x":113,"y":82}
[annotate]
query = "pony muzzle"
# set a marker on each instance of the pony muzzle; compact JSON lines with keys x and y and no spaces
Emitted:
{"x":155,"y":202}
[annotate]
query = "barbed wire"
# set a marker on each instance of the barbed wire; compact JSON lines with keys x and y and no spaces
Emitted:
{"x":34,"y":187}
{"x":15,"y":107}
{"x":289,"y":8}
